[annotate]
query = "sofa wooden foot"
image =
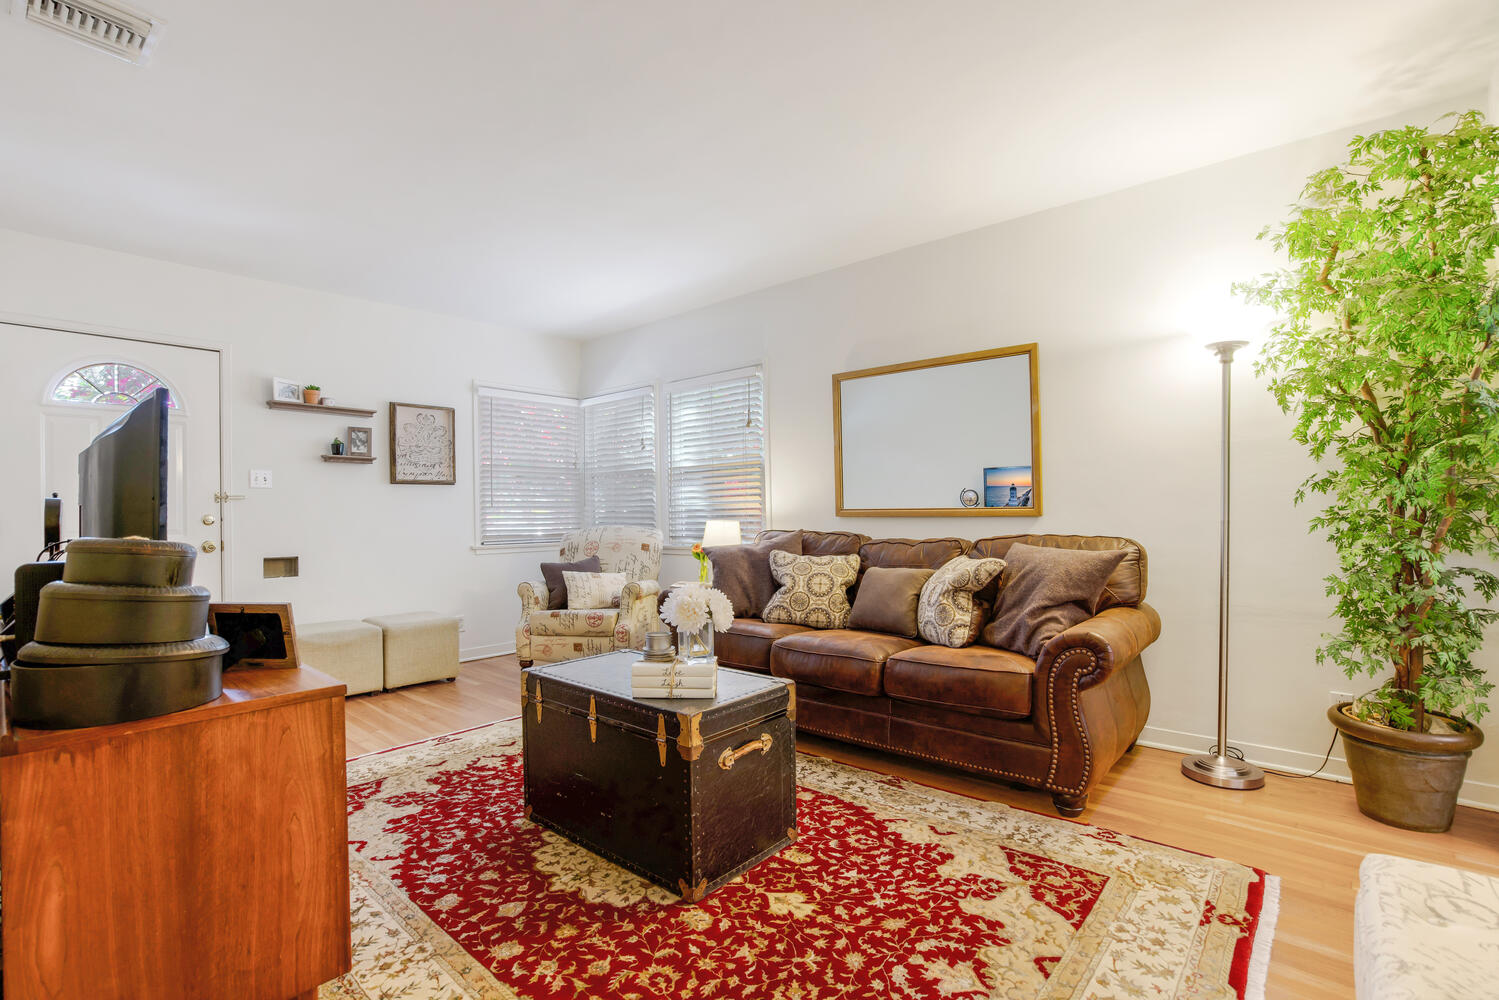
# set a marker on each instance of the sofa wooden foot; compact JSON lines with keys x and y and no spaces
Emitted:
{"x":525,"y":663}
{"x":1131,"y":747}
{"x":1070,"y":806}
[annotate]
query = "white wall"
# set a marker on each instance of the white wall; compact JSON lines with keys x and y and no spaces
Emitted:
{"x":1129,"y":417}
{"x":365,"y":546}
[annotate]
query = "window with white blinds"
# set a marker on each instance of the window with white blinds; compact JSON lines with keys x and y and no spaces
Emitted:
{"x":715,"y":466}
{"x":619,"y":458}
{"x":530,"y":456}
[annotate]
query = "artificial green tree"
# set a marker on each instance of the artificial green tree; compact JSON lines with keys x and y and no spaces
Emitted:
{"x":1385,"y":352}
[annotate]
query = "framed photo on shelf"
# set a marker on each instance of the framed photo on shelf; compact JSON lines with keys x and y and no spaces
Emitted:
{"x":422,"y":450}
{"x":259,"y":635}
{"x":360,"y":441}
{"x":286,"y":390}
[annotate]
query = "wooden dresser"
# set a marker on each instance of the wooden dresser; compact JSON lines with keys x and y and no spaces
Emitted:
{"x":193,"y":856}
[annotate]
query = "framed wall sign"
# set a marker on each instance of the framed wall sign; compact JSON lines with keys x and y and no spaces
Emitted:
{"x":951,"y":436}
{"x":421,"y":445}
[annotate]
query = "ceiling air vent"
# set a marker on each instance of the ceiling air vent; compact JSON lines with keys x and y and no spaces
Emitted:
{"x":115,"y":29}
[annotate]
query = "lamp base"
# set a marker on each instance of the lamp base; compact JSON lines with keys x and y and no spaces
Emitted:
{"x":1223,"y":772}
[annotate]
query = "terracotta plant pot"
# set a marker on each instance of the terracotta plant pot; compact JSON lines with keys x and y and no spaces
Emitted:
{"x":311,"y":395}
{"x":1409,"y":780}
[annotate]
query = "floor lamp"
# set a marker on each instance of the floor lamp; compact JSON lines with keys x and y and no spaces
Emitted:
{"x":1219,"y":769}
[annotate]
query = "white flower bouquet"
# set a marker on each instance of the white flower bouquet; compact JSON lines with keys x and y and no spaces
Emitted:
{"x":692,"y":607}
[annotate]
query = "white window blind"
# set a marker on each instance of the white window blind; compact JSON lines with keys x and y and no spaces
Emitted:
{"x":715,"y":454}
{"x":530,"y":466}
{"x":619,"y":458}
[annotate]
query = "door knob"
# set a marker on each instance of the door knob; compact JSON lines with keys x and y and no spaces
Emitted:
{"x":208,"y":547}
{"x":208,"y":519}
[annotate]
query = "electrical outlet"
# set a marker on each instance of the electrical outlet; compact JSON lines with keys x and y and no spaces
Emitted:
{"x":260,"y":479}
{"x":1338,"y":697}
{"x":461,"y":625}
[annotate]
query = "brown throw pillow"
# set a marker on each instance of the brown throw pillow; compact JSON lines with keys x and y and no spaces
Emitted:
{"x":948,"y":614}
{"x":887,"y":600}
{"x":742,"y":572}
{"x":1045,"y":592}
{"x":556,"y":588}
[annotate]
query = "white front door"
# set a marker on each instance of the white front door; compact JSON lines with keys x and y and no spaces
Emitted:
{"x":41,"y":434}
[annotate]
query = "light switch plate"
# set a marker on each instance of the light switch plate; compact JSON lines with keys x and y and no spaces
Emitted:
{"x":260,"y":479}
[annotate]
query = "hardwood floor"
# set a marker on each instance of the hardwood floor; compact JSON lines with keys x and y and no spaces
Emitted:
{"x":1307,"y":831}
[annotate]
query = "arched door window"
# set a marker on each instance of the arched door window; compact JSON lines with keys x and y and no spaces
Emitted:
{"x":109,"y":383}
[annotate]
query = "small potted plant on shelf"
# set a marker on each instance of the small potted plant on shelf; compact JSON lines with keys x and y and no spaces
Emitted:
{"x":312,"y":393}
{"x":1385,"y":353}
{"x":338,"y":446}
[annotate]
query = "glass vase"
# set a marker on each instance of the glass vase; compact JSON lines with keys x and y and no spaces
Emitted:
{"x":695,"y":646}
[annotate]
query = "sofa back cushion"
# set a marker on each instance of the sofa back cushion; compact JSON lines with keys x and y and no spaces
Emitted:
{"x":925,"y":553}
{"x":821,"y":543}
{"x":887,"y":600}
{"x":742,"y":572}
{"x":621,"y":548}
{"x":1126,"y":585}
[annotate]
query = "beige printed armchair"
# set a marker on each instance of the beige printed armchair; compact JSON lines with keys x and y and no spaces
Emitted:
{"x":544,"y":636}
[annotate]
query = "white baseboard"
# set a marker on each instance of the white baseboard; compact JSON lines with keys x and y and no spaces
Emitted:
{"x":1479,"y":794}
{"x":483,"y":652}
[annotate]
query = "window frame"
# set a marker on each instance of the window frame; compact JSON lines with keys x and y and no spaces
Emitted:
{"x":661,"y":390}
{"x":654,"y":388}
{"x":178,"y":408}
{"x":480,"y":389}
{"x":664,"y":435}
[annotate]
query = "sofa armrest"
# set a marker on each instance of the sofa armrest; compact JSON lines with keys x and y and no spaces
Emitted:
{"x":638,"y":613}
{"x":1114,"y":637}
{"x":1092,"y":699}
{"x":533,"y":597}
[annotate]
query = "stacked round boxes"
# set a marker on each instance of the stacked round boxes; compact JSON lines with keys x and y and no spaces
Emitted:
{"x":121,"y":636}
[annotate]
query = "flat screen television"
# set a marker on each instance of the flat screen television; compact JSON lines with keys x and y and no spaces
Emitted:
{"x":122,"y":475}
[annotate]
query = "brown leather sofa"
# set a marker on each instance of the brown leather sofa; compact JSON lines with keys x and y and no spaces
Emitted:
{"x":1058,"y":722}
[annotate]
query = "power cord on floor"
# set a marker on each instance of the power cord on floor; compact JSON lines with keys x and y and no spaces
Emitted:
{"x":1238,"y":754}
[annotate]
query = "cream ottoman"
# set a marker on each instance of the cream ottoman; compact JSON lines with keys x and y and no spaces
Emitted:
{"x":1422,"y":930}
{"x":419,"y":646}
{"x":349,"y":651}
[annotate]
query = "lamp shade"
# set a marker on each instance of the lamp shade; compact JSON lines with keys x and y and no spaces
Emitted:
{"x":721,"y":533}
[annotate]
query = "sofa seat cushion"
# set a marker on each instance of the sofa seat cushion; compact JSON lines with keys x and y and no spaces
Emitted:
{"x":841,"y":659}
{"x":747,"y":644}
{"x":572,"y":624}
{"x":975,"y":680}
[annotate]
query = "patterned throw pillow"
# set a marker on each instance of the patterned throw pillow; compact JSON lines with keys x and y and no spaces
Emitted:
{"x":947,"y":613}
{"x":588,"y":591}
{"x":814,"y":589}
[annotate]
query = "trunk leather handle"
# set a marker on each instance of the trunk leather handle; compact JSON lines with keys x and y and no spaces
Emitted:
{"x":728,"y":757}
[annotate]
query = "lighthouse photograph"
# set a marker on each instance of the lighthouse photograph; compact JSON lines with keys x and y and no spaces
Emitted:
{"x":1007,"y":486}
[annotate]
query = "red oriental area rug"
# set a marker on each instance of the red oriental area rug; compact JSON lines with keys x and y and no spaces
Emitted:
{"x":894,"y":889}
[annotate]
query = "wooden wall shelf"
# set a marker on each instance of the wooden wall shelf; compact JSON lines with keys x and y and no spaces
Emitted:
{"x":348,"y":411}
{"x":361,"y":459}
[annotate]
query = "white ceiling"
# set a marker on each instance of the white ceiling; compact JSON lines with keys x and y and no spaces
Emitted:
{"x":577,"y":166}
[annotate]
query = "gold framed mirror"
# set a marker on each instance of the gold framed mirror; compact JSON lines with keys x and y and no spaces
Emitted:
{"x":955,"y":436}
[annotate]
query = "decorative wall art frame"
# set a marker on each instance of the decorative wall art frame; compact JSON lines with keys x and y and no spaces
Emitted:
{"x":361,"y":441}
{"x":955,"y":436}
{"x":286,"y":390}
{"x":259,"y":635}
{"x":422,"y":450}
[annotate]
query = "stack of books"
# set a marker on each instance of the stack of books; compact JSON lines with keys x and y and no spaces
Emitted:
{"x":673,"y":679}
